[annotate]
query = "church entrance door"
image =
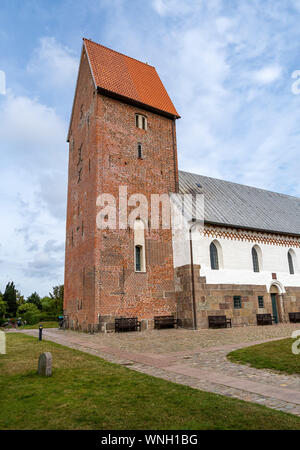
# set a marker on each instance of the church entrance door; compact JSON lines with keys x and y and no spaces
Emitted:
{"x":274,"y":307}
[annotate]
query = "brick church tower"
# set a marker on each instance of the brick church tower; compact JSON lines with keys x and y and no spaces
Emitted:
{"x":122,"y":134}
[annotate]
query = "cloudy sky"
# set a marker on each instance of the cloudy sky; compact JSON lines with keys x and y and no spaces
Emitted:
{"x":227,"y":65}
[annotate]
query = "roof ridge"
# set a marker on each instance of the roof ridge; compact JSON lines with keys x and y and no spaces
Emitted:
{"x":122,"y":54}
{"x":240,"y":184}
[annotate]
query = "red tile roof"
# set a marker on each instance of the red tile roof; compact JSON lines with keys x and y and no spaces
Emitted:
{"x":127,"y":77}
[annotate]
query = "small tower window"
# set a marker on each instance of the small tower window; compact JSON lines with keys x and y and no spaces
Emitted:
{"x":139,"y":246}
{"x":141,"y":121}
{"x":139,"y":149}
{"x":138,"y":254}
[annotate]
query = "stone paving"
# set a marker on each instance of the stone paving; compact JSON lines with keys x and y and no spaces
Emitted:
{"x":195,"y":358}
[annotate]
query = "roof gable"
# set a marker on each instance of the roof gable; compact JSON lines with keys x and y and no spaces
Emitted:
{"x":128,"y":78}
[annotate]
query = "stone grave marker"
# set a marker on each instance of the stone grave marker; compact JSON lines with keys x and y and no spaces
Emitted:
{"x":45,"y":364}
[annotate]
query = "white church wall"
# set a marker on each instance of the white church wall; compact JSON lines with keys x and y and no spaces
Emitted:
{"x":236,"y":266}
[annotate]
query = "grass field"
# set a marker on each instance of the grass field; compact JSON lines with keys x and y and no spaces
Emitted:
{"x":44,"y":324}
{"x":86,"y":392}
{"x":276,"y":355}
{"x":35,"y":326}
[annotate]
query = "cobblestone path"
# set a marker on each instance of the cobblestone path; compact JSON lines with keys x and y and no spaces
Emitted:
{"x":195,"y":358}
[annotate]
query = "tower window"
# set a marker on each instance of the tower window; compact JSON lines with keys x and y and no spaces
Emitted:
{"x":140,"y":154}
{"x":139,"y":246}
{"x":138,"y":258}
{"x":141,"y":121}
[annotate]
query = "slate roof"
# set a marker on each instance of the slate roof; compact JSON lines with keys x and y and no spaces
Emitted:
{"x":128,"y":78}
{"x":237,"y":205}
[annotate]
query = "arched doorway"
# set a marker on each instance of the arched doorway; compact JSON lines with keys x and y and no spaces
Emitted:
{"x":276,"y":302}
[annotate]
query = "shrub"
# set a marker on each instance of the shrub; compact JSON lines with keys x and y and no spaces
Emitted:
{"x":29,"y":313}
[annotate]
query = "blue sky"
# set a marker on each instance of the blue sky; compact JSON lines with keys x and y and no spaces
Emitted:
{"x":227,"y":66}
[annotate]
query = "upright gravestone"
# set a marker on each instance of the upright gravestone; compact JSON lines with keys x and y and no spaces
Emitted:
{"x":45,"y":364}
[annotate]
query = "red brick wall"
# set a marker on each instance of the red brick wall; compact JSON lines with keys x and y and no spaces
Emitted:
{"x":79,"y":265}
{"x":99,"y":271}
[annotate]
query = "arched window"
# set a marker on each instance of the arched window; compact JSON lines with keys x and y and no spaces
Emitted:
{"x":291,"y":262}
{"x":139,"y":246}
{"x":255,"y":260}
{"x":214,"y":257}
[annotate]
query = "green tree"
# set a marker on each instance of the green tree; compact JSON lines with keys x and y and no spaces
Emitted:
{"x":20,"y":299}
{"x":29,"y":312}
{"x":3,"y":307}
{"x":57,"y":295}
{"x":10,"y":297}
{"x":35,"y":299}
{"x":48,"y":305}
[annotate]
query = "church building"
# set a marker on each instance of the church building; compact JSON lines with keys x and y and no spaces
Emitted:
{"x":243,"y":260}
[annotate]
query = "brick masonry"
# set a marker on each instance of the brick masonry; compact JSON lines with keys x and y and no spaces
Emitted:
{"x":100,"y":280}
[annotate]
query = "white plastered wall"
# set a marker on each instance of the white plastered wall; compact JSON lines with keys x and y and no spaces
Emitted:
{"x":237,"y":266}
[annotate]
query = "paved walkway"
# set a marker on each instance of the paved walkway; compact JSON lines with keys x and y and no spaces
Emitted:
{"x":195,"y":358}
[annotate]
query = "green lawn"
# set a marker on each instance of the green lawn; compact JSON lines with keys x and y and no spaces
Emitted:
{"x":86,"y":392}
{"x":44,"y":324}
{"x":276,"y":355}
{"x":32,"y":327}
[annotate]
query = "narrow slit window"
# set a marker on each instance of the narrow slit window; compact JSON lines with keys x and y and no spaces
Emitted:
{"x":138,"y":258}
{"x":140,"y":154}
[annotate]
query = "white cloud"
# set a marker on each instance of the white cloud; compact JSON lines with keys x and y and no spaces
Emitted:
{"x":33,"y":175}
{"x":30,"y":128}
{"x":267,"y":74}
{"x":175,"y":7}
{"x":55,"y":65}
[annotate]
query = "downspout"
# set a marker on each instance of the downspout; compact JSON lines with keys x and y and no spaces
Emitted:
{"x":175,"y":158}
{"x":192,"y":277}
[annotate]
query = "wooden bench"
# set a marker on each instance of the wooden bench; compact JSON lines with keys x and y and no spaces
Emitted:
{"x":165,"y":322}
{"x":294,"y":317}
{"x":127,"y":324}
{"x":265,"y":319}
{"x":218,"y":322}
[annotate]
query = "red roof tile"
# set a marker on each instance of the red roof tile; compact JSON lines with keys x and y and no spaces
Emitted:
{"x":127,"y":77}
